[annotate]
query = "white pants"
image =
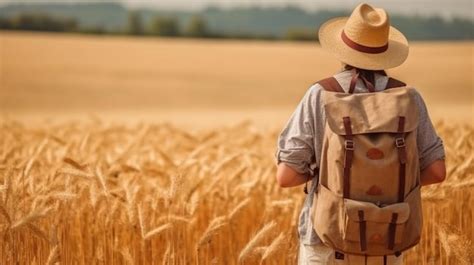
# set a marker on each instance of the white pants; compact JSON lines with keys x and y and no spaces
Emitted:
{"x":321,"y":255}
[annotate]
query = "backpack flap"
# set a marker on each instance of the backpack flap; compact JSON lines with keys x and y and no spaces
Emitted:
{"x":373,"y":213}
{"x":372,"y":112}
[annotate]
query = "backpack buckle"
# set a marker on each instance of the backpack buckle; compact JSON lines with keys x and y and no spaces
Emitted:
{"x":400,"y":142}
{"x":349,"y":145}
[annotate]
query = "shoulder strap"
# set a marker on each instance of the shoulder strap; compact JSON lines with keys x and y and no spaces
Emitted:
{"x":392,"y":83}
{"x":331,"y":84}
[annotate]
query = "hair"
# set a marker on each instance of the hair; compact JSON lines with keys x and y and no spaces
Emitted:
{"x":367,"y":74}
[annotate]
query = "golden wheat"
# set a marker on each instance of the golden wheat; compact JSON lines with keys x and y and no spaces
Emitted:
{"x":93,"y":193}
{"x":247,"y":252}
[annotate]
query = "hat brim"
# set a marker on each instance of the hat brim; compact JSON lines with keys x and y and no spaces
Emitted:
{"x":330,"y":39}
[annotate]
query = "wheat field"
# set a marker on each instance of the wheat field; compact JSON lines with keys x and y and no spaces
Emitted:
{"x":96,"y":193}
{"x":178,"y":167}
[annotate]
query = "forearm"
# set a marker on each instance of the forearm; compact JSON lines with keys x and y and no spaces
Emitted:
{"x":288,"y":177}
{"x":434,"y":173}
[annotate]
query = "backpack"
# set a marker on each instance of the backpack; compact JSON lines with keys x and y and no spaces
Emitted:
{"x":368,"y":196}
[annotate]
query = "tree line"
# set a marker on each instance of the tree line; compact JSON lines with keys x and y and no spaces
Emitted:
{"x":166,"y":26}
{"x":38,"y":22}
{"x":160,"y":26}
{"x":268,"y":24}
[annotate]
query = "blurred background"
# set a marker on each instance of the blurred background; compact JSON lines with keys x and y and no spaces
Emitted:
{"x":209,"y":62}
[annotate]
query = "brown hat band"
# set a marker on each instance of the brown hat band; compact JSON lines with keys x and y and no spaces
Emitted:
{"x":361,"y":48}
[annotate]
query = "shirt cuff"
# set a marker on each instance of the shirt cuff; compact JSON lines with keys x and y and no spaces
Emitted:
{"x":291,"y":159}
{"x":436,"y":154}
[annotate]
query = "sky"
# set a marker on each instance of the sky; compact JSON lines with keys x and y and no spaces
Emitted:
{"x":445,"y":8}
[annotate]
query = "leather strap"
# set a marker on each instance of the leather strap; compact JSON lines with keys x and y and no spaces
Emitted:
{"x":362,"y":48}
{"x":315,"y":178}
{"x":331,"y":84}
{"x":362,"y":231}
{"x":355,"y":76}
{"x":348,"y":155}
{"x":392,"y":230}
{"x":402,"y":157}
{"x":368,"y":85}
{"x":401,"y":182}
{"x":393,"y":83}
{"x":354,"y":79}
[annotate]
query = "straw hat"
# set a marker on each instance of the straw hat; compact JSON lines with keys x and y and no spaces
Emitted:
{"x":365,"y":39}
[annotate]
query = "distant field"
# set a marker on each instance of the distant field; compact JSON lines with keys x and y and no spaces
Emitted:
{"x":174,"y":78}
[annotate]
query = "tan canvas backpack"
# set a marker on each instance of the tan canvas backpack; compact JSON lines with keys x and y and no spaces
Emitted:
{"x":368,"y":196}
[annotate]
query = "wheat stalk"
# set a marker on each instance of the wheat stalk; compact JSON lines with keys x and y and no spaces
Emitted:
{"x":74,"y":163}
{"x":53,"y":257}
{"x":214,"y":226}
{"x":35,"y":215}
{"x":5,"y":214}
{"x":274,"y":247}
{"x":247,"y":251}
{"x":238,"y":208}
{"x":157,"y":231}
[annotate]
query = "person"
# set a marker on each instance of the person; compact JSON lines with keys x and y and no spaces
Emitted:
{"x":366,"y":45}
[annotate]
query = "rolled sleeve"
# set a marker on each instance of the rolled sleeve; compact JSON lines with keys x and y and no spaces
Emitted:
{"x":296,"y":141}
{"x":430,"y":145}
